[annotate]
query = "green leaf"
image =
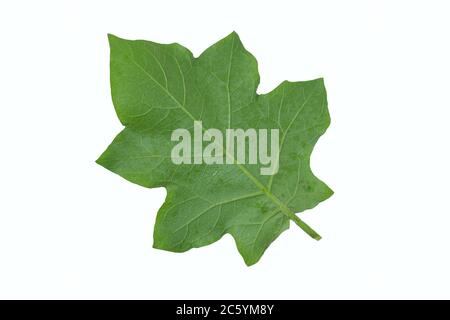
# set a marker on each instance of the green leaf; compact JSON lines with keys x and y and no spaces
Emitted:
{"x":157,"y":88}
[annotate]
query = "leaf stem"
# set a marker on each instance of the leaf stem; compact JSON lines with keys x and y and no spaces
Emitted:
{"x":288,"y":212}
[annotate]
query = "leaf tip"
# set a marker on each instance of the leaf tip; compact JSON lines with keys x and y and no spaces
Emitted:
{"x":112,"y":38}
{"x":101,"y":161}
{"x":320,"y":80}
{"x":250,"y":261}
{"x":331,"y":192}
{"x":234,"y":34}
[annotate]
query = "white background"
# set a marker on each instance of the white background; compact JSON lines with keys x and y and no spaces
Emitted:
{"x":71,"y":229}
